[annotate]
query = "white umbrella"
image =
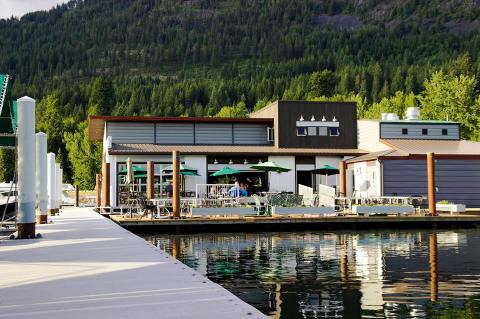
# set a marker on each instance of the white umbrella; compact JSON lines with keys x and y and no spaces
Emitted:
{"x":129,"y":178}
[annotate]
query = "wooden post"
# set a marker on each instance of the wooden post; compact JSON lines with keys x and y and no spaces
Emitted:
{"x":106,"y":184}
{"x":432,"y":244}
{"x":431,"y":184}
{"x":98,"y":190}
{"x":77,"y":196}
{"x":176,"y":184}
{"x":150,"y":176}
{"x":343,"y":179}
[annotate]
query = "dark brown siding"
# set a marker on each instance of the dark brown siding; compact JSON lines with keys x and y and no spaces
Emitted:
{"x":290,"y":111}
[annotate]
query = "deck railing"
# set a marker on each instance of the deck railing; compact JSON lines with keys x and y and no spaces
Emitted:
{"x":205,"y":194}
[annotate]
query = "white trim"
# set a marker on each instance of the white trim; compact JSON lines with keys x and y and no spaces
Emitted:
{"x":317,"y":124}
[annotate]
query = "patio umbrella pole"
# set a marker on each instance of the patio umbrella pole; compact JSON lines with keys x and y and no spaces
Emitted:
{"x":176,"y":184}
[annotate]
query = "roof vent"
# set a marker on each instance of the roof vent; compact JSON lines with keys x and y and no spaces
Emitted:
{"x":413,"y":113}
{"x":392,"y":117}
{"x":384,"y":116}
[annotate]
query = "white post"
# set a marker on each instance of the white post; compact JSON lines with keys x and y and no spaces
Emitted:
{"x":41,"y":177}
{"x":51,"y":182}
{"x":58,"y":186}
{"x":26,"y":168}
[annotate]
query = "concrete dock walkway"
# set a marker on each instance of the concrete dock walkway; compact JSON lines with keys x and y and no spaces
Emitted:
{"x":86,"y":266}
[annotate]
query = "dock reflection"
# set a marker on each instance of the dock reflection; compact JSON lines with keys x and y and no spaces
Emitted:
{"x":335,"y":275}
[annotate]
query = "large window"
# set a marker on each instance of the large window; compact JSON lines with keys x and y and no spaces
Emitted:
{"x":301,"y":131}
{"x":334,"y":131}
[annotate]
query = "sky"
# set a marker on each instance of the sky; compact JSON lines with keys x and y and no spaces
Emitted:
{"x":19,"y":7}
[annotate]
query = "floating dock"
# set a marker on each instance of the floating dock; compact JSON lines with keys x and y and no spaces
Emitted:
{"x":86,"y":266}
{"x":226,"y":224}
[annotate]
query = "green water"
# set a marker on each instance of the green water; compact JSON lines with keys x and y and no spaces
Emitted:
{"x":401,"y":274}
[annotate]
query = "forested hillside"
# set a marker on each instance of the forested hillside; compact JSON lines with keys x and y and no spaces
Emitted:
{"x":166,"y":57}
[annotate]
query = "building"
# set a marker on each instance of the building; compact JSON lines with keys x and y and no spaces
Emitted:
{"x":298,"y":135}
{"x":396,"y":164}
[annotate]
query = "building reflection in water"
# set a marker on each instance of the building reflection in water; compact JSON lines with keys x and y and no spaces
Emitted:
{"x":333,"y":275}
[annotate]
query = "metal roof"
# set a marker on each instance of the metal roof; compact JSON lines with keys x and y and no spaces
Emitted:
{"x":154,"y":149}
{"x":422,"y":147}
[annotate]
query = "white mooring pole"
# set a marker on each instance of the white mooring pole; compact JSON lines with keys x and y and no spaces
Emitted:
{"x":41,"y":177}
{"x":26,"y":168}
{"x":51,"y":182}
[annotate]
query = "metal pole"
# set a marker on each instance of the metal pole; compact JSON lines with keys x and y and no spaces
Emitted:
{"x":77,"y":196}
{"x":58,"y":187}
{"x":431,"y":184}
{"x":176,"y":184}
{"x":26,"y":168}
{"x":41,"y":178}
{"x":150,"y":176}
{"x":51,"y":185}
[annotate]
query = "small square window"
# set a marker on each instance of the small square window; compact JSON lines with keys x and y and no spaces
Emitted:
{"x":312,"y":131}
{"x":322,"y":131}
{"x":424,"y":131}
{"x":444,"y":131}
{"x":301,"y":131}
{"x":334,"y":131}
{"x":405,"y":131}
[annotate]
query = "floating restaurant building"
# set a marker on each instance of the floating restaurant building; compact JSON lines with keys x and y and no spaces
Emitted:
{"x":298,"y":135}
{"x":383,"y":158}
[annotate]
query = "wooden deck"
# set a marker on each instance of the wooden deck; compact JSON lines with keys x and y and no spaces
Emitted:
{"x":223,"y":224}
{"x":86,"y":266}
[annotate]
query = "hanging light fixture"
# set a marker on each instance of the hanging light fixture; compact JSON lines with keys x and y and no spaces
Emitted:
{"x":245,"y":162}
{"x":230,"y":162}
{"x":301,"y":118}
{"x":259,"y":161}
{"x":334,"y":119}
{"x":324,"y":119}
{"x":313,"y":118}
{"x":215,"y":162}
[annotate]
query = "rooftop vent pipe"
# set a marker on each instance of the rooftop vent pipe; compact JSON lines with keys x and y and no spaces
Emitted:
{"x":413,"y":113}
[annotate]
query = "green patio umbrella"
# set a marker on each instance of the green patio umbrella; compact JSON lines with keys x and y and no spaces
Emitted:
{"x":136,"y":170}
{"x":270,"y":167}
{"x":183,"y":169}
{"x":226,"y":171}
{"x":326,"y":170}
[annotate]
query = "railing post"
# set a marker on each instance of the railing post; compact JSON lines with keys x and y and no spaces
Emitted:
{"x":77,"y":196}
{"x":176,"y":184}
{"x":106,"y":184}
{"x":431,"y":184}
{"x":98,"y":190}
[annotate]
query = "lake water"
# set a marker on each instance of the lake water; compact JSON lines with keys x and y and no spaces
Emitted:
{"x":391,"y":274}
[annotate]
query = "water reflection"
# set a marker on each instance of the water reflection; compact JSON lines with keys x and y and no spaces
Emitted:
{"x":407,"y":274}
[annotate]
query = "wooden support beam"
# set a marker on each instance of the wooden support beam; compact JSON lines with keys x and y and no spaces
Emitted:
{"x":106,"y":184}
{"x":77,"y":196}
{"x":343,"y":179}
{"x":150,"y":176}
{"x":176,"y":183}
{"x":98,"y":190}
{"x":431,"y":184}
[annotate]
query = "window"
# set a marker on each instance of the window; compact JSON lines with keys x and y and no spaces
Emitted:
{"x":405,"y":131}
{"x":301,"y":131}
{"x":334,"y":131}
{"x":270,"y":134}
{"x":312,"y":131}
{"x":322,"y":131}
{"x":424,"y":131}
{"x":444,"y":131}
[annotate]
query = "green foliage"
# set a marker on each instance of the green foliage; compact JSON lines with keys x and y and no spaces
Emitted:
{"x":362,"y":105}
{"x":239,"y":110}
{"x":102,"y":99}
{"x":7,"y":161}
{"x":322,"y":84}
{"x":85,"y":157}
{"x":455,"y":98}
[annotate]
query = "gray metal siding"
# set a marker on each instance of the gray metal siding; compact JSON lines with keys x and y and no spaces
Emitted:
{"x":394,"y":130}
{"x":457,"y":181}
{"x":174,"y":133}
{"x":248,"y":134}
{"x":128,"y":132}
{"x":213,"y":133}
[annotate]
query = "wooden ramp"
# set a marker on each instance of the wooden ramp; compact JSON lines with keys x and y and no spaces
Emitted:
{"x":86,"y":266}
